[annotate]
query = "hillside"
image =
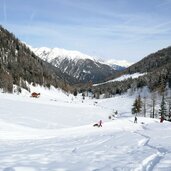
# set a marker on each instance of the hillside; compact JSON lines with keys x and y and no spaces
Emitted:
{"x":19,"y":66}
{"x":154,"y":70}
{"x":153,"y":62}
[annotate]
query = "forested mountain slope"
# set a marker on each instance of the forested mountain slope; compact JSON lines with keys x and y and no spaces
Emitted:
{"x":19,"y":65}
{"x":152,"y":62}
{"x":157,"y":75}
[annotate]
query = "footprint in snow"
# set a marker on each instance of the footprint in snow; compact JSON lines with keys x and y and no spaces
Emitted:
{"x":74,"y":150}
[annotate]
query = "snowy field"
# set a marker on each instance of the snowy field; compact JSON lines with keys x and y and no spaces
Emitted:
{"x":122,"y":78}
{"x":55,"y":133}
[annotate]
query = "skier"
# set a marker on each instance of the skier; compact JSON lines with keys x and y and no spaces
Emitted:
{"x":135,"y":120}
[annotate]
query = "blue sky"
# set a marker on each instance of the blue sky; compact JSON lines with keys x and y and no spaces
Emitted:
{"x":118,"y":29}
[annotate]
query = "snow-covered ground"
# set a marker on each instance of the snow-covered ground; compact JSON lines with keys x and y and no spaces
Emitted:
{"x":123,"y":77}
{"x":55,"y":133}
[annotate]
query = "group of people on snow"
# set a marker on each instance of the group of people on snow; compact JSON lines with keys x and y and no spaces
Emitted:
{"x":99,"y":124}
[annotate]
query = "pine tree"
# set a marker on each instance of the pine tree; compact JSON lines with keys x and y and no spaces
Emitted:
{"x":169,"y":104}
{"x":137,"y":106}
{"x":134,"y":109}
{"x":75,"y":92}
{"x":163,"y":110}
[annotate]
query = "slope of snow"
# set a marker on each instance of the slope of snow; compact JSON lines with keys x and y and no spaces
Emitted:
{"x":123,"y":77}
{"x":55,"y":133}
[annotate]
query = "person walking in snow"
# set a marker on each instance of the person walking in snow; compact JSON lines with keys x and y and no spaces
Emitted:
{"x":100,"y":123}
{"x":135,"y":120}
{"x":161,"y":119}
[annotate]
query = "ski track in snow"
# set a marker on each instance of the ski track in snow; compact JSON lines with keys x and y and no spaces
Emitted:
{"x":151,"y":161}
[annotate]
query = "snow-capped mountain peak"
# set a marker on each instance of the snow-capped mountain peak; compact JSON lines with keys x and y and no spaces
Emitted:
{"x":76,"y":64}
{"x":49,"y":54}
{"x":123,"y":63}
{"x":81,"y":66}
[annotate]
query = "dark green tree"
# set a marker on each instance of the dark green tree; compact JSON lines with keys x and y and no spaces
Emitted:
{"x":163,"y":110}
{"x":134,"y":108}
{"x":137,"y":106}
{"x":75,"y":92}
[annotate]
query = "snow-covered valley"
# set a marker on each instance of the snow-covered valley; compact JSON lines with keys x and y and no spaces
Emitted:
{"x":55,"y":133}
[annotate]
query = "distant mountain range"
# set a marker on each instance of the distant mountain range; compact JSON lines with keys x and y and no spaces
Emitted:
{"x":69,"y":70}
{"x":81,"y":66}
{"x":118,"y":64}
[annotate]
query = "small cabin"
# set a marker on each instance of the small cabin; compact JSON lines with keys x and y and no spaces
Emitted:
{"x":34,"y":94}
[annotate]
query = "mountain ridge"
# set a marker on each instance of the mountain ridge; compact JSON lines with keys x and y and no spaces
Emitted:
{"x":51,"y":53}
{"x":76,"y":64}
{"x":83,"y":67}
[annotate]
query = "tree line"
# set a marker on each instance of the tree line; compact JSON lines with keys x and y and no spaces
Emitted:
{"x":158,"y":106}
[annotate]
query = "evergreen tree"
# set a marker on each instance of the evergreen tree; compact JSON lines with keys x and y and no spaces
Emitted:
{"x":169,"y":104}
{"x":134,"y":109}
{"x":137,"y":106}
{"x":75,"y":92}
{"x":163,"y":110}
